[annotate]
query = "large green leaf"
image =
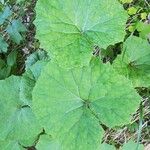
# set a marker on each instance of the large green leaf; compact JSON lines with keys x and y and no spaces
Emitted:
{"x":134,"y":62}
{"x":70,"y":103}
{"x":69,"y":29}
{"x":17,"y":122}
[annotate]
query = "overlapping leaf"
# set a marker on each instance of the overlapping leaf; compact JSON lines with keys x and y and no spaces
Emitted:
{"x":47,"y":143}
{"x":3,"y":44}
{"x":69,"y":29}
{"x":14,"y":30}
{"x":17,"y":122}
{"x":134,"y":62}
{"x":29,"y":79}
{"x":34,"y":57}
{"x":70,"y":103}
{"x":5,"y":14}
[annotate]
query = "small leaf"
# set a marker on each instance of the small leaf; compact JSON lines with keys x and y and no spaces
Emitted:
{"x":132,"y":10}
{"x":3,"y":45}
{"x":143,"y":15}
{"x":14,"y":30}
{"x":143,"y":29}
{"x":134,"y":62}
{"x":5,"y":14}
{"x":12,"y":57}
{"x":34,"y":57}
{"x":131,"y":28}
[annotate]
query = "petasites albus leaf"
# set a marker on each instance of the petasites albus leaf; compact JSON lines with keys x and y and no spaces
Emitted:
{"x":70,"y":104}
{"x":17,"y":121}
{"x":69,"y":29}
{"x":134,"y":62}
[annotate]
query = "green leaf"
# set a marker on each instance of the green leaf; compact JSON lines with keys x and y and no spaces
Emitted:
{"x":105,"y":146}
{"x":47,"y":143}
{"x":143,"y":15}
{"x":134,"y":61}
{"x":29,"y":79}
{"x":34,"y":57}
{"x":17,"y":122}
{"x":14,"y":30}
{"x":131,"y":28}
{"x":143,"y":29}
{"x":70,"y":103}
{"x":2,"y":63}
{"x":11,"y":58}
{"x":131,"y":145}
{"x":132,"y":10}
{"x":70,"y":29}
{"x":10,"y":145}
{"x":3,"y":45}
{"x":5,"y":14}
{"x":5,"y":72}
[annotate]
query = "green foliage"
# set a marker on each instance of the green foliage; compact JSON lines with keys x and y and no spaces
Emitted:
{"x":132,"y":10}
{"x":79,"y":99}
{"x":134,"y":61}
{"x":18,"y":118}
{"x":132,"y":145}
{"x":47,"y":143}
{"x":34,"y":57}
{"x":138,"y":22}
{"x":9,"y":66}
{"x":3,"y":44}
{"x":11,"y":27}
{"x":11,"y":58}
{"x":67,"y":102}
{"x":5,"y":14}
{"x":144,"y":30}
{"x":14,"y":30}
{"x":70,"y":29}
{"x":29,"y":79}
